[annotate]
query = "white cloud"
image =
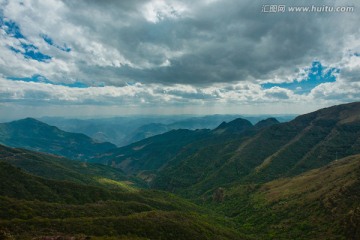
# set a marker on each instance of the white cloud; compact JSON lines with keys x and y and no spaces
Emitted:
{"x":158,"y":10}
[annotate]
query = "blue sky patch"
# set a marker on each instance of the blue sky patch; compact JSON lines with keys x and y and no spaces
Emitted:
{"x":11,"y":28}
{"x":50,"y":41}
{"x":41,"y":79}
{"x":317,"y":74}
{"x":30,"y":51}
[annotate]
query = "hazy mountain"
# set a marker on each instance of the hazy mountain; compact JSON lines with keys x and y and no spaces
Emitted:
{"x":32,"y":134}
{"x":125,"y":130}
{"x":117,"y":130}
{"x":146,"y":131}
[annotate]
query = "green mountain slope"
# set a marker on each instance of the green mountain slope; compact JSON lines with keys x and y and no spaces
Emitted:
{"x":151,"y":153}
{"x":32,"y":134}
{"x":60,"y":168}
{"x":33,"y":207}
{"x":287,"y":149}
{"x":322,"y":203}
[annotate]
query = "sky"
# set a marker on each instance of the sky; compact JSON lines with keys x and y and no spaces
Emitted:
{"x":111,"y":58}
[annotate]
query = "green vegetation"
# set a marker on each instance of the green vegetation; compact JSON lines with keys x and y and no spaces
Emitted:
{"x":320,"y":204}
{"x":151,"y":153}
{"x":258,"y":156}
{"x":31,"y":206}
{"x":59,"y":168}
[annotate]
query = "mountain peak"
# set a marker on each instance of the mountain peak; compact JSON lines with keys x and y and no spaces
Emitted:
{"x":267,"y":122}
{"x":237,"y":125}
{"x":28,"y":120}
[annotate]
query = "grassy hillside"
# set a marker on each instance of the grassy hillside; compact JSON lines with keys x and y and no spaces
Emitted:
{"x":322,"y":203}
{"x":151,"y":153}
{"x":60,"y":168}
{"x":34,"y":135}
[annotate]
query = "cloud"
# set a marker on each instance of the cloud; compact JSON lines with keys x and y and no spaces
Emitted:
{"x":179,"y":41}
{"x":277,"y":93}
{"x":171,"y":53}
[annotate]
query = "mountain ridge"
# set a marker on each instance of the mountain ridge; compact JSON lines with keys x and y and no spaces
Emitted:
{"x":35,"y":135}
{"x":286,"y":149}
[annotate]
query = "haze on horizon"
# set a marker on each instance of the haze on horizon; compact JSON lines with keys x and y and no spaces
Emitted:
{"x":115,"y":58}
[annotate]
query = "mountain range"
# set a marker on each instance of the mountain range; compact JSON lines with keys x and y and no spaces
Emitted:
{"x":239,"y":180}
{"x":125,"y":130}
{"x":281,"y":150}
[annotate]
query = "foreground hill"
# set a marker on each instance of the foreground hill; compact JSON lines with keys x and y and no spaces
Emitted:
{"x":323,"y":203}
{"x":318,"y":204}
{"x":33,"y":207}
{"x":32,"y":134}
{"x":287,"y":149}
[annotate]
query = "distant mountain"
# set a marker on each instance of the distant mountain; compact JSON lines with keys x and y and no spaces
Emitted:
{"x":35,"y":135}
{"x":125,"y":130}
{"x":205,"y":122}
{"x":117,"y":130}
{"x":147,"y":130}
{"x":287,"y":149}
{"x":266,"y":122}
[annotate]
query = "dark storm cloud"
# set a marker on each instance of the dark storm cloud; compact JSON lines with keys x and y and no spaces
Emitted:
{"x":223,"y":41}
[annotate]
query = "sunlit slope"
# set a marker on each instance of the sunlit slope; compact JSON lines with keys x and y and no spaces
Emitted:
{"x":323,"y":203}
